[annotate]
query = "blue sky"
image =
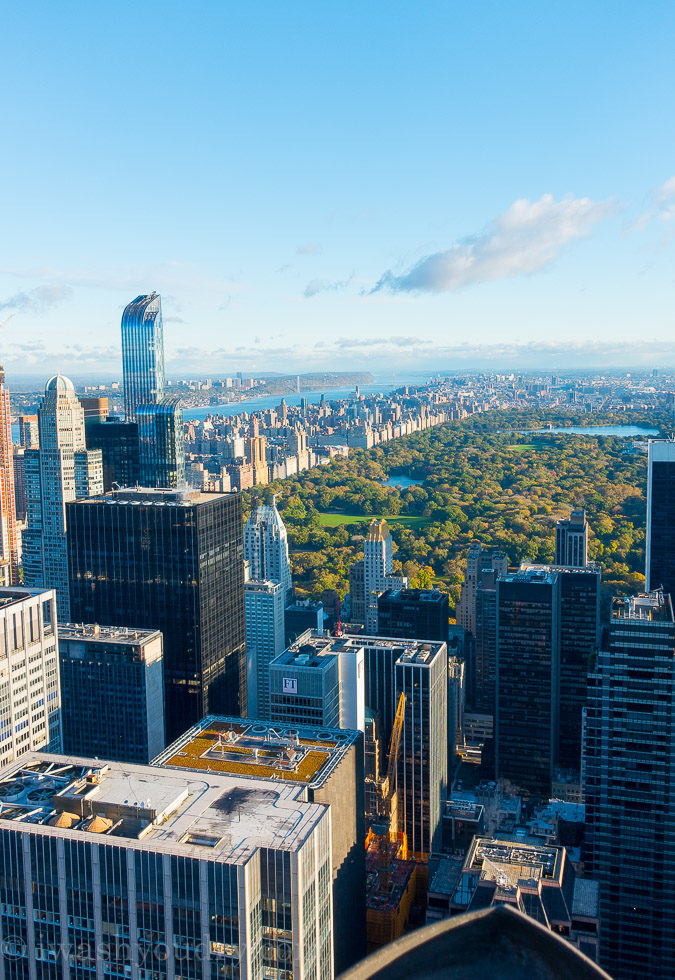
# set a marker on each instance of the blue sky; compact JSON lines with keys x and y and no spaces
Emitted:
{"x":339,"y":185}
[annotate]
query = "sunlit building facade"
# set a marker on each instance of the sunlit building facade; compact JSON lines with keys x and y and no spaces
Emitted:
{"x":142,"y":353}
{"x":9,"y":537}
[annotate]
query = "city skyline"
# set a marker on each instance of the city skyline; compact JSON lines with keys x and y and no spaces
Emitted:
{"x":449,"y":187}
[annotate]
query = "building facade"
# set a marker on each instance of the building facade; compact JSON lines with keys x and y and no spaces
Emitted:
{"x":629,"y":786}
{"x":527,"y":678}
{"x":422,"y":770}
{"x":121,"y":871}
{"x":114,"y":675}
{"x":660,"y":544}
{"x":60,"y":471}
{"x":9,"y":535}
{"x":479,"y":561}
{"x":118,"y":442}
{"x":571,"y":541}
{"x":266,"y":546}
{"x":30,"y":697}
{"x":417,"y":614}
{"x":142,"y":353}
{"x":265,"y":640}
{"x":161,"y":454}
{"x":324,"y":764}
{"x":169,"y":560}
{"x":378,"y":568}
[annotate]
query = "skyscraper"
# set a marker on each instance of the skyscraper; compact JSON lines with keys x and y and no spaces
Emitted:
{"x":9,"y":537}
{"x":61,"y":470}
{"x":528,"y":658}
{"x":169,"y":560}
{"x":422,"y":675}
{"x":30,"y":700}
{"x":417,"y":614}
{"x":571,"y":540}
{"x":142,"y":353}
{"x":479,"y":560}
{"x":161,"y":444}
{"x":118,"y":442}
{"x":265,"y":634}
{"x":266,"y":546}
{"x":629,"y":782}
{"x":660,"y":545}
{"x":378,"y":567}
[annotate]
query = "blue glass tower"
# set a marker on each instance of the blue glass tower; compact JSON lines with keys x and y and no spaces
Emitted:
{"x":142,"y":353}
{"x":161,"y":452}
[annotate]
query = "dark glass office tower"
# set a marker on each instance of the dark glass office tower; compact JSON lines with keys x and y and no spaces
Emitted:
{"x":485,"y":658}
{"x":173,"y":561}
{"x":142,"y":353}
{"x":118,"y":442}
{"x":579,"y":640}
{"x":660,"y":545}
{"x":629,"y":784}
{"x":571,"y":540}
{"x":528,"y":637}
{"x":415,"y":614}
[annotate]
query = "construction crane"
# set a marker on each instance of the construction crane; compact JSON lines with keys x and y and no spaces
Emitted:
{"x":386,"y":786}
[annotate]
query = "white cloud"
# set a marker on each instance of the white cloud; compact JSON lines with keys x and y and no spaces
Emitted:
{"x":37,"y":300}
{"x":317,"y":286}
{"x":524,"y":239}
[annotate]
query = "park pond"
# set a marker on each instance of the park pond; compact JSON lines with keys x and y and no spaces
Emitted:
{"x":400,"y":480}
{"x":621,"y":431}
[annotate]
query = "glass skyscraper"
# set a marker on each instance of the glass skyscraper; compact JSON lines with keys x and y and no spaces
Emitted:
{"x":660,"y":544}
{"x":142,"y":353}
{"x":160,"y":435}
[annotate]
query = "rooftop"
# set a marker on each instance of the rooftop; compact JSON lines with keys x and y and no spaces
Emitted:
{"x":305,"y":655}
{"x":93,"y":632}
{"x":14,"y":594}
{"x":258,"y":749}
{"x":325,"y":643}
{"x":169,"y":811}
{"x":652,"y":606}
{"x":510,"y":862}
{"x":157,"y":497}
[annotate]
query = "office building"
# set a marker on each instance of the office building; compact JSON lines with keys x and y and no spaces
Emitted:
{"x":95,"y":410}
{"x":484,"y":674}
{"x":118,"y":442}
{"x":60,"y":471}
{"x":169,"y":560}
{"x":629,"y":781}
{"x":571,"y":541}
{"x":320,"y":680}
{"x":302,"y":615}
{"x":527,"y":678}
{"x":417,"y":614}
{"x":579,"y":621}
{"x":378,"y":567}
{"x":112,"y":692}
{"x":19,"y":462}
{"x":421,"y":674}
{"x":480,"y":562}
{"x":357,"y":593}
{"x":29,"y":433}
{"x":113,"y":869}
{"x":161,"y":454}
{"x":9,"y":535}
{"x":142,"y":353}
{"x":660,"y":544}
{"x":536,"y":879}
{"x":266,"y":545}
{"x":324,"y":765}
{"x":265,"y":640}
{"x":30,"y":700}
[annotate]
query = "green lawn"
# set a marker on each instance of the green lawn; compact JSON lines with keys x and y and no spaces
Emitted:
{"x":520,"y":447}
{"x":335,"y":520}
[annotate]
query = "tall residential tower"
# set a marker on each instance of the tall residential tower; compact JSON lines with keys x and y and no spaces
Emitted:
{"x":60,"y":471}
{"x":142,"y":353}
{"x":9,"y":537}
{"x":660,"y":546}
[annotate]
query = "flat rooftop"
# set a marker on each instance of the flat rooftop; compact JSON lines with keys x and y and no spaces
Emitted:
{"x":155,"y":497}
{"x":509,"y":862}
{"x":258,"y":749}
{"x":216,"y":815}
{"x":651,"y":606}
{"x":325,"y":643}
{"x":93,"y":633}
{"x":307,"y":655}
{"x":13,"y":594}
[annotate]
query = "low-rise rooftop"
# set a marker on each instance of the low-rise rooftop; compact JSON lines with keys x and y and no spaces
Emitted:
{"x":170,"y":811}
{"x":257,"y":749}
{"x":93,"y":632}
